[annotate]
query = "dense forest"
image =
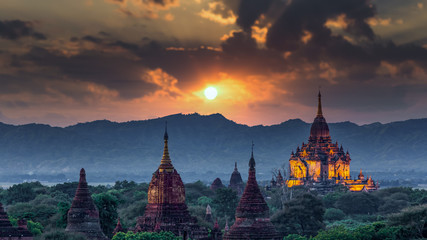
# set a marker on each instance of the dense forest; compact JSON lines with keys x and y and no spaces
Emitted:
{"x":297,"y":213}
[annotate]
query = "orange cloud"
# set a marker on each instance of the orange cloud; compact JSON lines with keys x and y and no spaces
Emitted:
{"x":338,"y":22}
{"x":214,"y":14}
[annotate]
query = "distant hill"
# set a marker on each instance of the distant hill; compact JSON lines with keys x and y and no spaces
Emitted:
{"x":200,"y":144}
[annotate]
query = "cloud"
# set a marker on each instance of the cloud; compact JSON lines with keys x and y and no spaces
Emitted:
{"x":218,"y":12}
{"x":15,"y":29}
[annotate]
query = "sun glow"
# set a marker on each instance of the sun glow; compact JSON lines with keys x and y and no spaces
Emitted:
{"x":210,"y":93}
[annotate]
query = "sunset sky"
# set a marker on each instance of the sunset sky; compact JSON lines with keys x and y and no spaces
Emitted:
{"x":64,"y":62}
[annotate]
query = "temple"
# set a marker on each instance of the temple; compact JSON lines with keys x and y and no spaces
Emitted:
{"x":8,"y":232}
{"x":83,"y":216}
{"x":216,"y":184}
{"x":118,"y":228}
{"x":321,"y":162}
{"x":252,"y":213}
{"x":236,"y":182}
{"x":166,"y":209}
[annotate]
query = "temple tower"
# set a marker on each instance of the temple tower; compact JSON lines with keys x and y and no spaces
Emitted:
{"x":217,"y":183}
{"x":236,"y":182}
{"x":83,"y":216}
{"x":252,"y":213}
{"x":8,"y":232}
{"x":166,"y":209}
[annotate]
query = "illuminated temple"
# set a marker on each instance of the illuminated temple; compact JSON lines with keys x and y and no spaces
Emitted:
{"x":166,"y":209}
{"x":321,"y":162}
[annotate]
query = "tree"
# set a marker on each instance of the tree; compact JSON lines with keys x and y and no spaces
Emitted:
{"x":358,"y":203}
{"x":225,"y":202}
{"x":63,"y":208}
{"x":333,"y":214}
{"x":302,"y":215}
{"x":335,"y":233}
{"x":145,"y":236}
{"x":414,"y":218}
{"x":107,"y":207}
{"x":23,"y":192}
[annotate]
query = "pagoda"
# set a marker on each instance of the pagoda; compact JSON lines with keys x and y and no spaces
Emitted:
{"x":322,"y":161}
{"x":83,"y":216}
{"x":8,"y":232}
{"x":236,"y":182}
{"x":216,"y":184}
{"x":166,"y":209}
{"x":252,"y":213}
{"x":118,"y":228}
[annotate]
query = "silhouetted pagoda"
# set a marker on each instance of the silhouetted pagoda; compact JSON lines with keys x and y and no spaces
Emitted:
{"x":217,"y":183}
{"x":236,"y":182}
{"x":118,"y":228}
{"x":8,"y":232}
{"x":252,"y":213}
{"x":83,"y":216}
{"x":166,"y":209}
{"x":323,"y":164}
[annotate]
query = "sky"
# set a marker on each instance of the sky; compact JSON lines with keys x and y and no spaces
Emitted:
{"x":64,"y":62}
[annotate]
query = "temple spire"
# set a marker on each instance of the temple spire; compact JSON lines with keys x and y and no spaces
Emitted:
{"x":166,"y":162}
{"x":252,"y":160}
{"x":235,"y":166}
{"x":319,"y":105}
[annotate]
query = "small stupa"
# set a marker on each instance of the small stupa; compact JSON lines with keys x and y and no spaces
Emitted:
{"x":8,"y":232}
{"x":236,"y":182}
{"x":216,"y":184}
{"x":83,"y":216}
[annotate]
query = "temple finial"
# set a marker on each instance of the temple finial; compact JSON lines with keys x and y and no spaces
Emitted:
{"x":235,"y":166}
{"x":166,"y":162}
{"x":166,"y":137}
{"x":252,"y":160}
{"x":319,"y":105}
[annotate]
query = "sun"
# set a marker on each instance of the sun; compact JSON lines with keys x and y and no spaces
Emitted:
{"x":210,"y":93}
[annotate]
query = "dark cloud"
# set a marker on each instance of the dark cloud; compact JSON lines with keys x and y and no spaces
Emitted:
{"x":15,"y":29}
{"x":249,"y":11}
{"x":115,"y":71}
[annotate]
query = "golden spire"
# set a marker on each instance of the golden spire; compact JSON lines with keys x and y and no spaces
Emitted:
{"x":319,"y":105}
{"x":166,"y":162}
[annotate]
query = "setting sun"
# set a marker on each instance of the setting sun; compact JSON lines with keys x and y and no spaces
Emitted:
{"x":211,"y":93}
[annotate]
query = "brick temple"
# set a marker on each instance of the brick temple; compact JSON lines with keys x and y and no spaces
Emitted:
{"x":236,"y":182}
{"x":8,"y":232}
{"x":83,"y":216}
{"x":322,"y":164}
{"x":252,"y":213}
{"x":166,"y":209}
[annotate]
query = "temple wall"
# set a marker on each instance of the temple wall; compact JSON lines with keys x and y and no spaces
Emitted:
{"x":298,"y":169}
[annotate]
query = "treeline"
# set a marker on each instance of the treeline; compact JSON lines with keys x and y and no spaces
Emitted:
{"x":297,"y":213}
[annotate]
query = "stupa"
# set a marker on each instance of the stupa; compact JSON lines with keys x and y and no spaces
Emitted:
{"x":236,"y":182}
{"x":8,"y":232}
{"x":252,"y":213}
{"x":216,"y":184}
{"x":119,"y":228}
{"x":83,"y":216}
{"x":166,"y":209}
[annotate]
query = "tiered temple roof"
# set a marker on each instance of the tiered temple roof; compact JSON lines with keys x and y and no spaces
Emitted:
{"x":252,"y":213}
{"x":7,"y":231}
{"x":83,"y":216}
{"x":236,"y":182}
{"x":166,"y":209}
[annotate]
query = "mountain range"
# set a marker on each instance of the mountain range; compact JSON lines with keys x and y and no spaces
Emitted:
{"x":200,"y":145}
